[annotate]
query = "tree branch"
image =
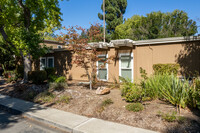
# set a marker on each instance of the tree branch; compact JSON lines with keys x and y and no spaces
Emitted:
{"x":3,"y":33}
{"x":27,"y":14}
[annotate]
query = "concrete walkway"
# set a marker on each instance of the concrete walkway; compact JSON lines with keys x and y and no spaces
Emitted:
{"x":65,"y":120}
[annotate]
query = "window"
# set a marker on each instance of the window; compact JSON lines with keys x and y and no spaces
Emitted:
{"x":46,"y":62}
{"x":50,"y":61}
{"x":102,"y":69}
{"x":126,"y":66}
{"x":42,"y":63}
{"x":59,"y":47}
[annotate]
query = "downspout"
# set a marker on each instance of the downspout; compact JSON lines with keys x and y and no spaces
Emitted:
{"x":151,"y":57}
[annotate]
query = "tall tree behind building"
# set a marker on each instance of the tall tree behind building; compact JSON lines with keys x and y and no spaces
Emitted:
{"x":114,"y":10}
{"x":157,"y":25}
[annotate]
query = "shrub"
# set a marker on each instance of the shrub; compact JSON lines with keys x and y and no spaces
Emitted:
{"x":104,"y":103}
{"x":10,"y":75}
{"x":143,"y":73}
{"x":171,"y":117}
{"x":134,"y":94}
{"x":126,"y":85}
{"x":57,"y":86}
{"x":166,"y":68}
{"x":64,"y":99}
{"x":131,"y":91}
{"x":168,"y":117}
{"x":50,"y":71}
{"x":52,"y":78}
{"x":194,"y":95}
{"x":61,"y":79}
{"x":37,"y":76}
{"x":135,"y":107}
{"x":146,"y":99}
{"x":45,"y":96}
{"x":107,"y":102}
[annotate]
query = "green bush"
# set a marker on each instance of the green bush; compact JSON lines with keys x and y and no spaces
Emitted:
{"x":171,"y":117}
{"x":57,"y":86}
{"x":131,"y":91}
{"x":135,"y":107}
{"x":52,"y":78}
{"x":37,"y":77}
{"x":143,"y":73}
{"x":166,"y":68}
{"x":50,"y":71}
{"x":10,"y":75}
{"x":106,"y":102}
{"x":146,"y":99}
{"x":168,"y":117}
{"x":194,"y":95}
{"x":126,"y":85}
{"x":46,"y":97}
{"x":64,"y":99}
{"x":61,"y":79}
{"x":134,"y":94}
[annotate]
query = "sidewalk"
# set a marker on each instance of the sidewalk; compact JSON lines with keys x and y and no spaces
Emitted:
{"x":69,"y":122}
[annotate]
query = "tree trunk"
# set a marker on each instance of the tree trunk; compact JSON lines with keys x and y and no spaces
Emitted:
{"x":4,"y":70}
{"x":27,"y":23}
{"x":88,"y":75}
{"x":90,"y":84}
{"x":27,"y":67}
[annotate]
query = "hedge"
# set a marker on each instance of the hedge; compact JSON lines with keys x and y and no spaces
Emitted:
{"x":50,"y":71}
{"x":37,"y":76}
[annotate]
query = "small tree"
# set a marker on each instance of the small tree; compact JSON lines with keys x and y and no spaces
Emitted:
{"x":84,"y":54}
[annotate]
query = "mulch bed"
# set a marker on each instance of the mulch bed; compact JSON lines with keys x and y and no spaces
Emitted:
{"x":86,"y":102}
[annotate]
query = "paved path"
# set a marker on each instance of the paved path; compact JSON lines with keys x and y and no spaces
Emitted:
{"x":10,"y":123}
{"x":65,"y":120}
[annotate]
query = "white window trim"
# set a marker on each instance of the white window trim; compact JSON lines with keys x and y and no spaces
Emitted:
{"x":132,"y":68}
{"x":47,"y":64}
{"x":41,"y":62}
{"x":97,"y":64}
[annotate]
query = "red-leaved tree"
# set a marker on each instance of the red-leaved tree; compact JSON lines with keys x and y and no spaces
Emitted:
{"x":85,"y":55}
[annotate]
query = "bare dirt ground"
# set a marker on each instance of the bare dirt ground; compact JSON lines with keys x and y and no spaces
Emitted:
{"x":86,"y":102}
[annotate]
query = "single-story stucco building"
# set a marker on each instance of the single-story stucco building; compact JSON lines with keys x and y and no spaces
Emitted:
{"x":129,"y":57}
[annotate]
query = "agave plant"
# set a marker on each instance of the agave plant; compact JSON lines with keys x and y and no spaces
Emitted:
{"x":176,"y":92}
{"x":154,"y":84}
{"x":168,"y":87}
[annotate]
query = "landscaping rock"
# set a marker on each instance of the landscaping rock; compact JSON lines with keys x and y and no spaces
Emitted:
{"x":102,"y":90}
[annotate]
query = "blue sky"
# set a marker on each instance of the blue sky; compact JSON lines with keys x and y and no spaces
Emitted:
{"x":84,"y":12}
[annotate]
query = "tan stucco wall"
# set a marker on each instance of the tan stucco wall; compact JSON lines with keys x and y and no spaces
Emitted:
{"x":186,"y":54}
{"x":154,"y":54}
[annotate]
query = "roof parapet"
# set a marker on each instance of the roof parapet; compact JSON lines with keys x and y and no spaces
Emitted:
{"x":167,"y":40}
{"x":102,"y":45}
{"x":122,"y":42}
{"x":130,"y":43}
